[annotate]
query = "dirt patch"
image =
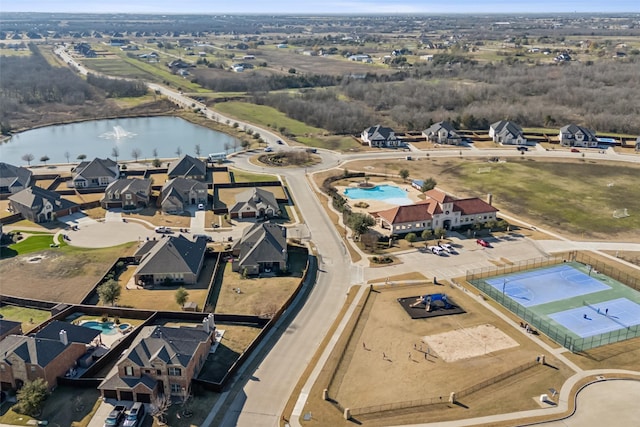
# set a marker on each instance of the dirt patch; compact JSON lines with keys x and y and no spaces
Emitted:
{"x":466,"y":343}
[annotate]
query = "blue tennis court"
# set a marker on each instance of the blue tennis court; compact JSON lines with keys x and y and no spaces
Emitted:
{"x":600,"y":318}
{"x":545,"y":285}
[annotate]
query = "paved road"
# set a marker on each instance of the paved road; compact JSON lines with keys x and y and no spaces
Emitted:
{"x":258,"y":396}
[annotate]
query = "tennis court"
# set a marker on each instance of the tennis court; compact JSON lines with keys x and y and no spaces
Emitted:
{"x":535,"y":287}
{"x":599,"y":318}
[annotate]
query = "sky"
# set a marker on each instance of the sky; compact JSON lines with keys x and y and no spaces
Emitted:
{"x":319,"y":6}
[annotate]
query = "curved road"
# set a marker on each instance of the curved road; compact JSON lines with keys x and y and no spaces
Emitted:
{"x":258,"y":396}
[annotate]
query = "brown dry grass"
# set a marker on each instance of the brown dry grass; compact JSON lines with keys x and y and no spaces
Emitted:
{"x":63,"y":275}
{"x":227,"y":196}
{"x":630,"y":256}
{"x":163,"y":297}
{"x":157,"y":217}
{"x":258,"y":296}
{"x":385,"y":327}
{"x":221,"y":177}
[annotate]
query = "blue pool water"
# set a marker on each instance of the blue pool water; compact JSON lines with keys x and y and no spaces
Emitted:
{"x":386,"y":193}
{"x":107,"y":328}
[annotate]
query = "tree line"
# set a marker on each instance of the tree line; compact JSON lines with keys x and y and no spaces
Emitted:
{"x":118,"y":88}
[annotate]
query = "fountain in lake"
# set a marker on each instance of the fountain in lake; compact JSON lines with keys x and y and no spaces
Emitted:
{"x":117,"y":133}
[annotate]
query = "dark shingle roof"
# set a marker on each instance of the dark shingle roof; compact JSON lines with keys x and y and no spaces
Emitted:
{"x":75,"y":333}
{"x":129,"y":185}
{"x":574,"y":129}
{"x":504,"y":127}
{"x":187,"y":166}
{"x":254,"y":197}
{"x":7,"y":325}
{"x":435,"y":128}
{"x":35,"y":197}
{"x":262,"y":242}
{"x":378,"y":132}
{"x":14,"y":176}
{"x":177,"y":188}
{"x":96,"y":168}
{"x":175,"y":254}
{"x":36,"y":351}
{"x":174,"y":346}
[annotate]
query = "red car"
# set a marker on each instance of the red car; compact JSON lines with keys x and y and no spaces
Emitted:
{"x":483,"y":243}
{"x":575,"y":150}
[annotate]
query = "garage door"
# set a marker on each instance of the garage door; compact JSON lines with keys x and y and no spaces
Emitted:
{"x":250,"y":214}
{"x":144,"y":398}
{"x":110,"y":394}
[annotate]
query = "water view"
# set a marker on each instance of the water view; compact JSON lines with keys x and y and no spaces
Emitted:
{"x":98,"y":138}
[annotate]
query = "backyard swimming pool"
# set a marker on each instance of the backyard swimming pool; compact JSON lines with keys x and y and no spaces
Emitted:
{"x":107,"y":328}
{"x":386,"y":193}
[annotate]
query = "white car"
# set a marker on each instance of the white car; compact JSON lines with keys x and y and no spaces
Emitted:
{"x":201,"y":207}
{"x":268,"y":150}
{"x":162,"y":229}
{"x":435,"y":249}
{"x":447,"y":247}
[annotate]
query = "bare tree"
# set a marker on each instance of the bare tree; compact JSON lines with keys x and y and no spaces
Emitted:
{"x":160,"y":407}
{"x":227,"y":146}
{"x":178,"y":151}
{"x":155,"y":153}
{"x":236,"y":144}
{"x":185,"y":398}
{"x":197,"y":150}
{"x":67,"y":155}
{"x":115,"y":152}
{"x":28,"y":158}
{"x":135,"y":153}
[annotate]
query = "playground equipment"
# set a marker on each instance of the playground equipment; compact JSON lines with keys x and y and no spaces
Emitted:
{"x":428,"y":299}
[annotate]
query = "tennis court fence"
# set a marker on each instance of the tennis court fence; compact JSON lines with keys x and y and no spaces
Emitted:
{"x":556,"y":333}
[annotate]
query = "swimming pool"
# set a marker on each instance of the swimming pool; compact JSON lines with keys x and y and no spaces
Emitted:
{"x":386,"y":193}
{"x":107,"y":328}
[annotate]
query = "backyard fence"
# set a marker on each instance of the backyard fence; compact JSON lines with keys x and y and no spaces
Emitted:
{"x":444,"y":398}
{"x":556,"y":333}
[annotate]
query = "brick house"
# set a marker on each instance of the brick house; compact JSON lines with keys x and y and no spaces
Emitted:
{"x":127,"y":193}
{"x":96,"y":173}
{"x":577,"y":136}
{"x":380,"y":136}
{"x":174,"y":258}
{"x":161,"y":360}
{"x":438,"y":210}
{"x":179,"y":193}
{"x":187,"y":167}
{"x":442,"y":133}
{"x":14,"y":178}
{"x":39,"y":205}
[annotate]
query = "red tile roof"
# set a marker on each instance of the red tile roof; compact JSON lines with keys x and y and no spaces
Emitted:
{"x":439,"y":196}
{"x":421,"y":211}
{"x":473,"y":206}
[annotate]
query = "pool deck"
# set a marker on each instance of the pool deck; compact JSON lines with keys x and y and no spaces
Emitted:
{"x":379,"y":205}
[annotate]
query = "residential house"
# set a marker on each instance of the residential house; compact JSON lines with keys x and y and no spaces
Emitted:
{"x":577,"y":136}
{"x":27,"y":358}
{"x":13,"y":178}
{"x":438,"y":210}
{"x":39,"y":205}
{"x":506,"y":132}
{"x":96,"y":173}
{"x":9,"y":327}
{"x":380,"y":136}
{"x":179,"y":193}
{"x":442,"y":133}
{"x":127,"y":194}
{"x":262,"y":248}
{"x":255,"y":203}
{"x":171,"y":259}
{"x":161,"y":360}
{"x":187,"y":167}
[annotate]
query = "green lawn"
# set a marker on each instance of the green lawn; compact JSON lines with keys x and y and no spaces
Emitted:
{"x":33,"y":243}
{"x":579,"y":197}
{"x":29,"y":317}
{"x":266,"y":116}
{"x":244,"y":176}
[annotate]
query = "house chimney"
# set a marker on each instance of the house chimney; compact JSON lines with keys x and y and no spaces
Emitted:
{"x":489,"y":198}
{"x":205,"y":324}
{"x":212,"y":323}
{"x":63,"y":337}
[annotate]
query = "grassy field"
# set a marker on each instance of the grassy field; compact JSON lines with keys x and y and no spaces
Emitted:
{"x":378,"y":348}
{"x":14,"y":52}
{"x":29,"y":317}
{"x":337,"y":143}
{"x":574,"y":197}
{"x":30,"y":244}
{"x":266,"y":116}
{"x":117,"y":67}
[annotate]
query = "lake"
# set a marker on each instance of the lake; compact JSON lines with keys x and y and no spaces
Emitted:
{"x":99,"y":138}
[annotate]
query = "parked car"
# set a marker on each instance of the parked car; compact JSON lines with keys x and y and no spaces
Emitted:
{"x":115,"y":416}
{"x":201,"y":206}
{"x":135,"y":416}
{"x":483,"y":243}
{"x":280,"y":142}
{"x":447,"y":247}
{"x":522,"y":148}
{"x":204,"y":236}
{"x":268,"y":150}
{"x":435,"y":250}
{"x":162,"y":229}
{"x":575,"y":150}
